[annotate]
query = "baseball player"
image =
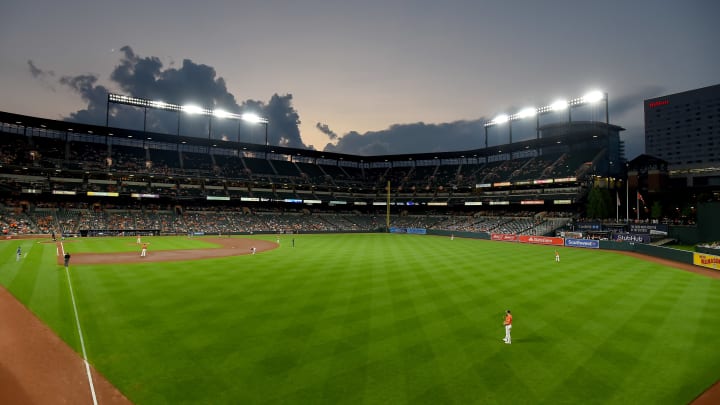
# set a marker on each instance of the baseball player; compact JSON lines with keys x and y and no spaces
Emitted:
{"x":508,"y":327}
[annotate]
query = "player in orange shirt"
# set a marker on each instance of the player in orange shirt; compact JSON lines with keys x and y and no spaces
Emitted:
{"x":508,"y":327}
{"x":143,"y":252}
{"x":557,"y":256}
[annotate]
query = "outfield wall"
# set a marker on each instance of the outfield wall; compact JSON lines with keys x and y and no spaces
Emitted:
{"x":706,"y":260}
{"x":459,"y":234}
{"x":681,"y":256}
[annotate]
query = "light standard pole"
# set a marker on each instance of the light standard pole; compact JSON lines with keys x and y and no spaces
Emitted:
{"x":254,"y":118}
{"x":266,"y":136}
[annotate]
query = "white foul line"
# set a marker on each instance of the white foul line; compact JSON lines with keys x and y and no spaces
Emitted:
{"x":82,"y":342}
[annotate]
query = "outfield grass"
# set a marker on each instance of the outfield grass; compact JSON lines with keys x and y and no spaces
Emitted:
{"x":389,"y":319}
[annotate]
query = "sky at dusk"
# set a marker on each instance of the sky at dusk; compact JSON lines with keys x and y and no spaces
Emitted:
{"x":363,"y":77}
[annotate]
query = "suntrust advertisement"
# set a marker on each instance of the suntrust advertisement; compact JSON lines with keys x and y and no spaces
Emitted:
{"x":583,"y":243}
{"x":541,"y":240}
{"x":705,"y":260}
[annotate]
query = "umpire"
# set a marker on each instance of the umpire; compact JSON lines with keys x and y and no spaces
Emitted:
{"x":67,"y":260}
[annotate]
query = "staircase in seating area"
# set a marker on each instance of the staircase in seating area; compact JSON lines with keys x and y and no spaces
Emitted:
{"x":663,"y":242}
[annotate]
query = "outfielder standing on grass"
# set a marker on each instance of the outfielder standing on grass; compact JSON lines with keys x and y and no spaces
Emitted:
{"x":508,"y":327}
{"x":19,"y":254}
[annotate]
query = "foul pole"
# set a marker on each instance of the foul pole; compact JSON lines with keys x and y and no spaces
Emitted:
{"x":387,"y":208}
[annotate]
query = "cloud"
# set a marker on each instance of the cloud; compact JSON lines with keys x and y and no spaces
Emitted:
{"x":626,"y":103}
{"x":199,"y":84}
{"x":325,"y":129}
{"x":284,"y":122}
{"x":41,"y":74}
{"x":629,"y":108}
{"x":414,"y":138}
{"x":469,"y":134}
{"x":634,"y":138}
{"x":190,"y":82}
{"x":35,"y":71}
{"x":94,"y":95}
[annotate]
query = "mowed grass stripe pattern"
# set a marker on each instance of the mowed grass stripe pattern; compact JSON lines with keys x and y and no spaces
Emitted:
{"x":38,"y":283}
{"x":389,"y":319}
{"x":129,"y":244}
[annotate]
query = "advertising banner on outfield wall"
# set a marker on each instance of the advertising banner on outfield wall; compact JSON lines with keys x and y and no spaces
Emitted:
{"x":583,"y":243}
{"x":542,"y":240}
{"x":415,"y":231}
{"x":503,"y":237}
{"x":632,"y":237}
{"x":705,"y":260}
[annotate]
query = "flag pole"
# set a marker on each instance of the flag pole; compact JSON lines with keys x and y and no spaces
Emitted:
{"x":627,"y":201}
{"x":637,"y":204}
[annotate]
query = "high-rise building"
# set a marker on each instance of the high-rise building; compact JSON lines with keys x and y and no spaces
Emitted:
{"x":684,"y":128}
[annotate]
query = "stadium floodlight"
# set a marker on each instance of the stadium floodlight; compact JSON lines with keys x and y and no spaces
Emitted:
{"x":189,"y":108}
{"x":559,"y":105}
{"x":526,"y":112}
{"x":158,"y":104}
{"x":593,"y":96}
{"x":141,"y":102}
{"x":501,"y":119}
{"x":192,"y":109}
{"x":161,"y":105}
{"x":254,"y":118}
{"x":220,"y":114}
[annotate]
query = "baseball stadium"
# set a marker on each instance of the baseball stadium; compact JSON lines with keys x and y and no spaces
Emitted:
{"x":276,"y":275}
